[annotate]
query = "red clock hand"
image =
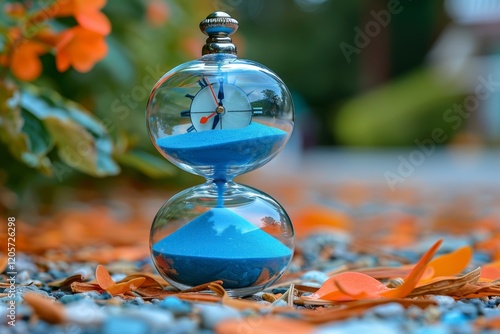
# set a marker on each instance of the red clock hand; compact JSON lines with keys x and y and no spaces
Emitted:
{"x":205,"y":119}
{"x":212,"y":90}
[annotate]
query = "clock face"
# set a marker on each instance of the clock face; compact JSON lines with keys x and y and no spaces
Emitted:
{"x":219,"y":105}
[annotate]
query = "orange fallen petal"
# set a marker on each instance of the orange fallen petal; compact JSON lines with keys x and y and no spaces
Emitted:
{"x":51,"y":311}
{"x":265,"y":325}
{"x":103,"y":277}
{"x":346,"y":286}
{"x":452,"y":263}
{"x":356,"y":286}
{"x":124,"y":287}
{"x":315,"y":218}
{"x":491,"y":271}
{"x":415,"y":275}
{"x":3,"y":262}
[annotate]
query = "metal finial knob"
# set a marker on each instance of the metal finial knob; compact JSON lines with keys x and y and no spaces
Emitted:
{"x":218,"y":26}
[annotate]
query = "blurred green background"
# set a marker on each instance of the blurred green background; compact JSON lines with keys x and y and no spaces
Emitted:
{"x":363,"y":74}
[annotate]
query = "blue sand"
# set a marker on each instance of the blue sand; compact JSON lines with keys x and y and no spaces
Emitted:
{"x":221,"y":245}
{"x":222,"y":148}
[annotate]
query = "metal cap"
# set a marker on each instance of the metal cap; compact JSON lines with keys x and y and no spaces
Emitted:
{"x":218,"y":26}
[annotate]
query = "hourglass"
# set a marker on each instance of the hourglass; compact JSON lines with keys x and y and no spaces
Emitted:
{"x":218,"y":117}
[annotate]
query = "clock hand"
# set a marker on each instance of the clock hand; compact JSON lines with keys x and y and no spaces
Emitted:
{"x":221,"y":91}
{"x":205,"y":119}
{"x":212,"y":90}
{"x":216,"y":120}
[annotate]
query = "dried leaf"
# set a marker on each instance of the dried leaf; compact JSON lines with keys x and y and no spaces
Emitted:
{"x":452,"y":263}
{"x":356,"y":308}
{"x":65,"y":282}
{"x":150,"y":280}
{"x":3,"y":262}
{"x":354,"y":286}
{"x":491,"y":271}
{"x":51,"y":311}
{"x":416,"y":274}
{"x":125,"y":287}
{"x":103,"y":277}
{"x":238,"y":304}
{"x":264,"y":325}
{"x":445,"y":285}
{"x":78,"y":287}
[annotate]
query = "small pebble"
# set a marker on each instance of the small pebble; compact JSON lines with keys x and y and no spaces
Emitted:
{"x":58,"y":294}
{"x":155,"y":318}
{"x":175,"y":305}
{"x":454,"y":318}
{"x":315,"y":276}
{"x":85,"y":312}
{"x":389,"y":310}
{"x":279,"y":302}
{"x":444,"y":301}
{"x":212,"y":314}
{"x":469,"y":310}
{"x":21,"y":290}
{"x":124,"y":325}
{"x":136,"y":301}
{"x":71,"y":298}
{"x":366,"y":326}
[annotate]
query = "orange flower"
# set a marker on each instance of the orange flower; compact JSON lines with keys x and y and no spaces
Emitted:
{"x":80,"y":48}
{"x":86,"y":12}
{"x":25,"y":62}
{"x":157,"y":12}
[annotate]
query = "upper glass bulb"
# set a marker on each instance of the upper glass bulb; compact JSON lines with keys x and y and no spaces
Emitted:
{"x":219,"y":116}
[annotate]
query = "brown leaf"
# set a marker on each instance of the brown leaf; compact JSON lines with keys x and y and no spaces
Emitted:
{"x":51,"y":311}
{"x":78,"y":287}
{"x":356,"y":308}
{"x":127,"y":286}
{"x":236,"y":303}
{"x":150,"y":280}
{"x":446,"y":284}
{"x":4,"y":259}
{"x":65,"y":282}
{"x":264,"y":325}
{"x":103,"y":277}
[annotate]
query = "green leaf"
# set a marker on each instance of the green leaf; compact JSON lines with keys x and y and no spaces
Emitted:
{"x":82,"y":141}
{"x":147,"y":163}
{"x":24,"y":135}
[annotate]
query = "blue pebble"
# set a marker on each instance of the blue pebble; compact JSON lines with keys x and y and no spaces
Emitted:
{"x":212,"y":314}
{"x":137,"y":301}
{"x":454,"y":318}
{"x":434,"y":329}
{"x":175,"y":305}
{"x":389,"y":310}
{"x":70,"y":298}
{"x":279,"y":290}
{"x":58,"y":294}
{"x":315,"y":276}
{"x":444,"y":301}
{"x":124,"y":325}
{"x":183,"y":326}
{"x":468,"y":310}
{"x":105,"y":296}
{"x":280,"y":302}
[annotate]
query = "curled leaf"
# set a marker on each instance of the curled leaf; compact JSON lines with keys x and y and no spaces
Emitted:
{"x":265,"y":325}
{"x":452,"y":263}
{"x":48,"y":310}
{"x":355,"y":286}
{"x":103,"y":277}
